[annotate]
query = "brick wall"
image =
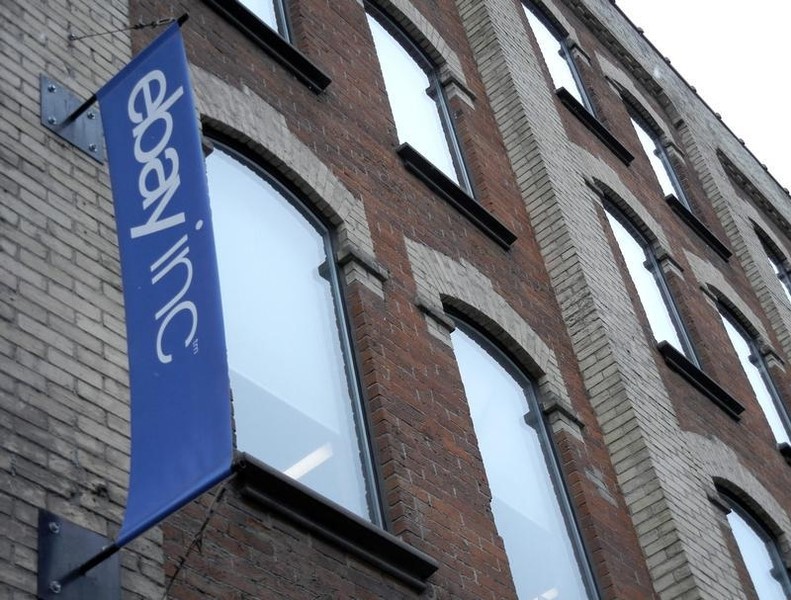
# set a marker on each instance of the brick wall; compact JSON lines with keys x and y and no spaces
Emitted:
{"x":642,"y":408}
{"x":64,"y":413}
{"x":432,"y":479}
{"x":641,"y":451}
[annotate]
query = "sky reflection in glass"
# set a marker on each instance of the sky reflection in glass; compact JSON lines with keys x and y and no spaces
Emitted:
{"x":292,"y":404}
{"x":756,"y":557}
{"x":554,"y":54}
{"x":524,"y":501}
{"x":653,"y":151}
{"x":648,"y":290}
{"x":264,"y":10}
{"x":760,"y":387}
{"x":780,"y":271}
{"x":415,"y":112}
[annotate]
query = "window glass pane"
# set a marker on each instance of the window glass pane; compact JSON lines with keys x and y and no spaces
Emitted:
{"x":554,"y":56}
{"x":524,"y":501}
{"x":757,"y":558}
{"x":415,"y":112}
{"x":648,"y":290}
{"x":292,"y":404}
{"x":652,"y":150}
{"x":762,"y":392}
{"x":780,"y":271}
{"x":264,"y":10}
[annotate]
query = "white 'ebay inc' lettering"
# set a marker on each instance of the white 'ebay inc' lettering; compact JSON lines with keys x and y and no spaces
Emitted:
{"x":157,"y":183}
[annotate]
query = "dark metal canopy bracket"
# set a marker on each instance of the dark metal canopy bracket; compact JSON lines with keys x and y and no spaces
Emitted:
{"x":64,"y":550}
{"x":74,"y":120}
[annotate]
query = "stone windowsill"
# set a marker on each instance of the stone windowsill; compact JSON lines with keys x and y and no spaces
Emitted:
{"x":702,"y":382}
{"x":302,"y":506}
{"x":698,"y":226}
{"x":593,"y":124}
{"x":272,"y":43}
{"x":444,"y":187}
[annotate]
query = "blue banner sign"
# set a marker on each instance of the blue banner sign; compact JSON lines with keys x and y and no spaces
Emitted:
{"x":180,"y":394}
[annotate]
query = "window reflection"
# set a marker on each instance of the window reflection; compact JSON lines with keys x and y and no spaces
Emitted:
{"x":778,"y":263}
{"x":755,"y":369}
{"x":292,"y":398}
{"x":270,"y":12}
{"x":417,"y":104}
{"x":760,"y":556}
{"x":660,"y":163}
{"x":645,"y":274}
{"x":779,"y":268}
{"x":525,"y":502}
{"x":556,"y":56}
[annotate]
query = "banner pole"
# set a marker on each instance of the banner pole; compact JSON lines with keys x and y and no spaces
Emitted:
{"x":106,"y":552}
{"x":92,"y":100}
{"x":110,"y":549}
{"x":89,"y":564}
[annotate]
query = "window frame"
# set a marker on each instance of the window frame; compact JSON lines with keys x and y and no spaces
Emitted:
{"x":330,"y":271}
{"x":651,"y":264}
{"x":659,"y":151}
{"x":578,"y":101}
{"x":778,"y":571}
{"x":536,"y":419}
{"x":282,"y":19}
{"x":561,"y":36}
{"x":435,"y":91}
{"x":756,"y":358}
{"x":272,"y":43}
{"x":778,"y":261}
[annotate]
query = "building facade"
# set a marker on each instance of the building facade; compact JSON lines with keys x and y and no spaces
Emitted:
{"x":508,"y":308}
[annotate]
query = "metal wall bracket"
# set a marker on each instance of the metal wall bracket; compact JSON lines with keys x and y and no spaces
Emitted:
{"x":62,"y":547}
{"x":60,"y":113}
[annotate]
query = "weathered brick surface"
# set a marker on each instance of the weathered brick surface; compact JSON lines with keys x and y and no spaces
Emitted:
{"x":641,"y":451}
{"x":430,"y":468}
{"x":64,"y":404}
{"x":642,"y":408}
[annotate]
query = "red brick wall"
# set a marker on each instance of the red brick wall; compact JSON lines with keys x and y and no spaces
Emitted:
{"x":433,"y":484}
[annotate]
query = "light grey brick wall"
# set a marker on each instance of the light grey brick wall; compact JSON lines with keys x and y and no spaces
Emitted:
{"x":64,"y":414}
{"x":705,"y":139}
{"x":712,"y":279}
{"x":617,"y":76}
{"x":719,"y":463}
{"x":740,"y":219}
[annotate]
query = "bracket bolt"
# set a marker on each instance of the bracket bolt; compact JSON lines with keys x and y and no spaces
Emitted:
{"x":51,"y":87}
{"x":52,"y":120}
{"x":54,"y":527}
{"x":92,"y":147}
{"x":55,"y":587}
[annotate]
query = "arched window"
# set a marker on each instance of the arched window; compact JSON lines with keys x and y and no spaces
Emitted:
{"x":759,"y":552}
{"x":755,"y":368}
{"x":529,"y":502}
{"x":556,"y":54}
{"x":271,"y":12}
{"x":651,"y":287}
{"x":657,"y":156}
{"x":296,"y":400}
{"x":417,"y":100}
{"x":778,"y":262}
